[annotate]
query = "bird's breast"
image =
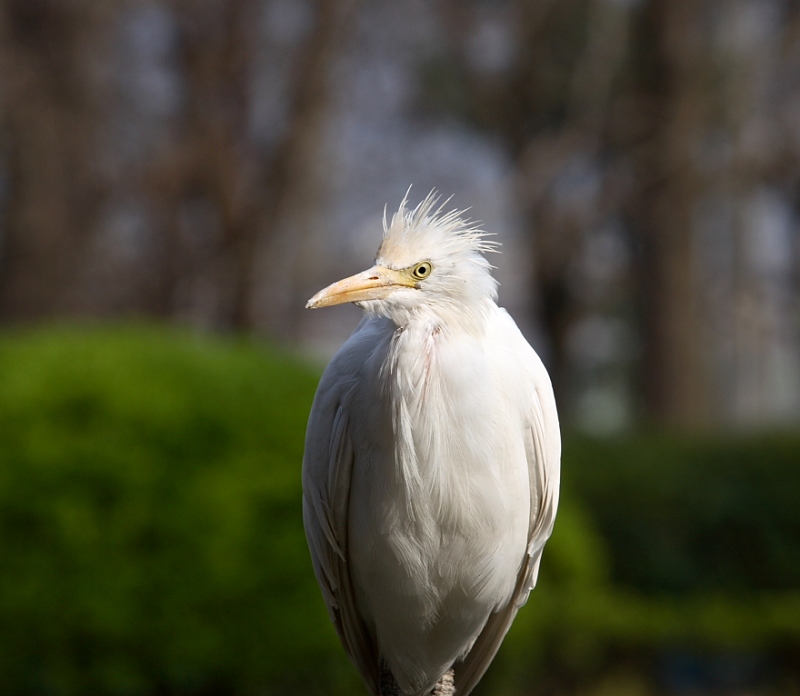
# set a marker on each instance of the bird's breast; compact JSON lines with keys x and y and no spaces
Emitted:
{"x":440,"y":505}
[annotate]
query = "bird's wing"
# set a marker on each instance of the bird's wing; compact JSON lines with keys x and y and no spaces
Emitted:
{"x":543,"y":453}
{"x":327,"y":468}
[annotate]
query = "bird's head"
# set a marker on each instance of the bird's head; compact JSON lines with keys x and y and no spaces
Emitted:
{"x":429,"y":262}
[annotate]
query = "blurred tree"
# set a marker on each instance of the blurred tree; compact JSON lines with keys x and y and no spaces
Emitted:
{"x":260,"y":192}
{"x":641,"y":125}
{"x":675,"y":366}
{"x":170,"y":158}
{"x":196,"y":213}
{"x":52,"y":102}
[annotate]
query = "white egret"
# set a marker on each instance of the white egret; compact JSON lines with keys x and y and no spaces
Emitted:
{"x":432,"y":459}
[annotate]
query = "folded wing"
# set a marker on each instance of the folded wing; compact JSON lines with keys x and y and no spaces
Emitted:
{"x":327,"y":469}
{"x":543,"y":452}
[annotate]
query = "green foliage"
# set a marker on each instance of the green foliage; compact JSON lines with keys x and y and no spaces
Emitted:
{"x":150,"y":518}
{"x":694,"y":515}
{"x":151,"y":538}
{"x":663,"y":543}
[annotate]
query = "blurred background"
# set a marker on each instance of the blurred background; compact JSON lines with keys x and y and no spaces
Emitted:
{"x":177,"y":178}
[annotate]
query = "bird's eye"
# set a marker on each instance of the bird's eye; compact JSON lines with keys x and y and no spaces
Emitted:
{"x":422,"y":270}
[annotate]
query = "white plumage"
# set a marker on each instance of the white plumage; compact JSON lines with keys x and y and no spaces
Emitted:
{"x":431,"y":469}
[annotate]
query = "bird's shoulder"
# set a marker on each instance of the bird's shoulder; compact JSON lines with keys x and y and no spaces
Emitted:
{"x":516,"y":360}
{"x":525,"y":368}
{"x":355,"y":355}
{"x":344,"y":375}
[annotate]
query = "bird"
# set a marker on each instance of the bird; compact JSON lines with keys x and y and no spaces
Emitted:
{"x":432,"y":460}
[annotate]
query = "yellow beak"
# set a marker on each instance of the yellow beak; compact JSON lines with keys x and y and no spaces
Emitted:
{"x":375,"y":284}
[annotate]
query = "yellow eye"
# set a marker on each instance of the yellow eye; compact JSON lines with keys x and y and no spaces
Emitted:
{"x":422,"y":270}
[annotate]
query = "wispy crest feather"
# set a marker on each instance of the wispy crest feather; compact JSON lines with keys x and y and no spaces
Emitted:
{"x":427,"y":226}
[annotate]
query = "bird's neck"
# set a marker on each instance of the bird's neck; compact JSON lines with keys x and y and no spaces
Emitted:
{"x":449,"y":317}
{"x":423,"y":337}
{"x":423,"y":374}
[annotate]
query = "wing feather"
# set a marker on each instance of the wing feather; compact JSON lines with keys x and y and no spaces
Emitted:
{"x":543,"y":454}
{"x":327,"y":470}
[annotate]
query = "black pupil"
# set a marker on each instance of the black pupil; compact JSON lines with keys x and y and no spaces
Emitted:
{"x":422,"y":270}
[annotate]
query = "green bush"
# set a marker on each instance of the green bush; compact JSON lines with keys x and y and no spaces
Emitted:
{"x":150,"y":532}
{"x":665,"y":544}
{"x":151,"y":538}
{"x":694,"y":514}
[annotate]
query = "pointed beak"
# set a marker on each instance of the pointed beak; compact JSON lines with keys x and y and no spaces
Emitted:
{"x":375,"y":284}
